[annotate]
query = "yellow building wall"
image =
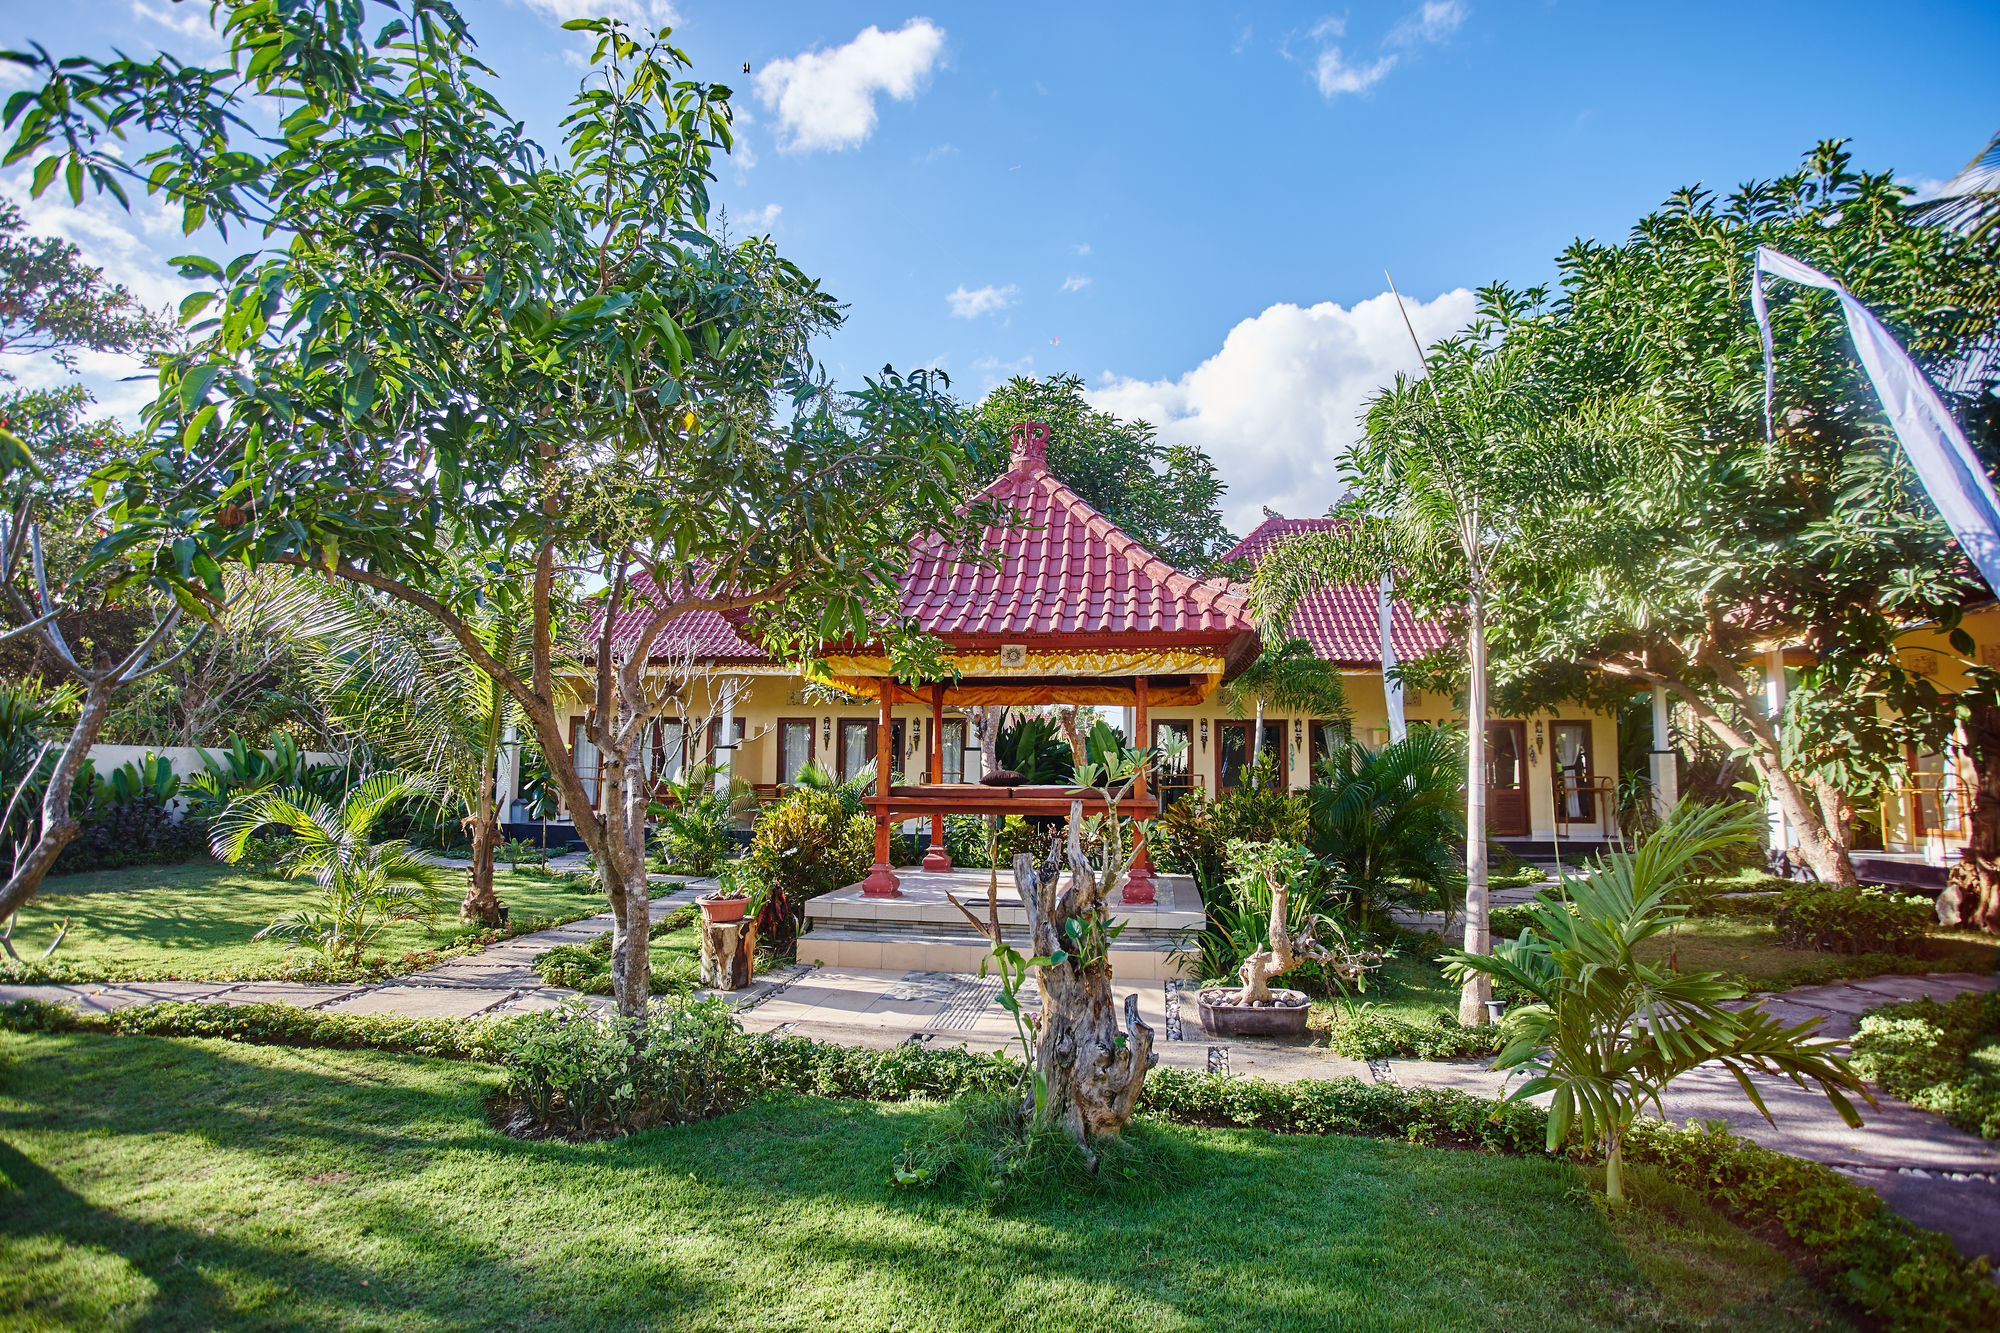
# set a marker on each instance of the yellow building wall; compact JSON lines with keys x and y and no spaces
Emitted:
{"x":1930,"y":815}
{"x":772,"y":697}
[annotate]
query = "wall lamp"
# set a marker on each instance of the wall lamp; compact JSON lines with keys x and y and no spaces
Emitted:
{"x":825,"y":732}
{"x":1298,"y":732}
{"x":1204,"y":733}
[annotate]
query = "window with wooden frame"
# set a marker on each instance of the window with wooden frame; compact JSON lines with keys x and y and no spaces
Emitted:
{"x":797,"y":747}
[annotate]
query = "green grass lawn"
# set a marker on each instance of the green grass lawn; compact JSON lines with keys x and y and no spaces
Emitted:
{"x":1747,"y":945}
{"x":197,"y":920}
{"x":170,"y":1184}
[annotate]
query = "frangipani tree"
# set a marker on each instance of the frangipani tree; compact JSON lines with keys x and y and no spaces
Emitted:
{"x":540,"y":361}
{"x":1607,"y":1032}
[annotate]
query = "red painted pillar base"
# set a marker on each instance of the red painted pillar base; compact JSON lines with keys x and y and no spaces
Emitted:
{"x":1139,"y":880}
{"x":881,"y":883}
{"x":937,"y":858}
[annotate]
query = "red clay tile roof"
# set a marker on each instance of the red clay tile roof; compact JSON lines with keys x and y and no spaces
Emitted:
{"x":1343,"y":622}
{"x":1067,"y":570}
{"x":707,"y":633}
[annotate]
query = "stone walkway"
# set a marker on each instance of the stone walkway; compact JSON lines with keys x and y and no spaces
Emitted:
{"x":1936,"y":1175}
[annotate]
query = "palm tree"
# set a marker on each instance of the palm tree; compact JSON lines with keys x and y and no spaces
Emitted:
{"x":1443,"y":479}
{"x":365,"y":887}
{"x":408,"y":688}
{"x":1606,"y":1032}
{"x":1287,"y":677}
{"x":1390,"y":817}
{"x":1969,"y":201}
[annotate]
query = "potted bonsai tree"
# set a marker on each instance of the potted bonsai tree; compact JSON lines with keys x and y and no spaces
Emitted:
{"x":1258,"y":1009}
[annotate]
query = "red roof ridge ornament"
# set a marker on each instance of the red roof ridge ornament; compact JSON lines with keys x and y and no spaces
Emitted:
{"x":1030,"y":440}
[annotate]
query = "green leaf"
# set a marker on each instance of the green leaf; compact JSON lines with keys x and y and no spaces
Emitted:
{"x":194,"y":385}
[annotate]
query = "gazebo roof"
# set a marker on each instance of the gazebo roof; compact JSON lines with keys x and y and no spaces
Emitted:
{"x":1063,"y":569}
{"x":1065,"y":606}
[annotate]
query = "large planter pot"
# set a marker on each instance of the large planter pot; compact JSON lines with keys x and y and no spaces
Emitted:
{"x":716,"y":911}
{"x":1285,"y":1016}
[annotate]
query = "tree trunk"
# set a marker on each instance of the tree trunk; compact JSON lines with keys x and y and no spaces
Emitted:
{"x":481,"y":905}
{"x":626,"y":795}
{"x":1478,"y":988}
{"x":59,"y":828}
{"x":1836,"y":812}
{"x":1091,"y":1070}
{"x":1972,"y":893}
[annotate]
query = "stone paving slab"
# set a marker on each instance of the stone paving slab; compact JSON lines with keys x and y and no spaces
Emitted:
{"x":108,"y":997}
{"x":421,"y":1001}
{"x":288,"y":992}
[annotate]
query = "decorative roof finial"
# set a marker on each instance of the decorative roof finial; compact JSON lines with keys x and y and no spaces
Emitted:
{"x":1031,"y":443}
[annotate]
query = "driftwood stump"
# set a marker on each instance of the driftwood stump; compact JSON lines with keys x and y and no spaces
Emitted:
{"x":1093,"y":1069}
{"x":727,"y":951}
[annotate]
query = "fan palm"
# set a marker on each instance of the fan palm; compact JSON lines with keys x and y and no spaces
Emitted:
{"x":409,"y":689}
{"x":1607,"y":1033}
{"x":1970,"y":201}
{"x":365,"y":887}
{"x":1391,"y":816}
{"x":1287,"y":677}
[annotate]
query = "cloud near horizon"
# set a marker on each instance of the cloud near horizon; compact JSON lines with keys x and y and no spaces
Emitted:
{"x":1282,"y":399}
{"x":825,"y":100}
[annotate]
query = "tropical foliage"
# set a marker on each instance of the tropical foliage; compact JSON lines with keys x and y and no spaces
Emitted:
{"x":1390,"y":819}
{"x":1288,"y":676}
{"x":364,"y":886}
{"x":1606,"y":1032}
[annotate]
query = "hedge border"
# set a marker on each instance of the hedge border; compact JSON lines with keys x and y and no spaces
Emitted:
{"x":1909,"y":1279}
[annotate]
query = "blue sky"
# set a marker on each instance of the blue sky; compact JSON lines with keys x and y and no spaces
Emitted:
{"x":1192,"y":205}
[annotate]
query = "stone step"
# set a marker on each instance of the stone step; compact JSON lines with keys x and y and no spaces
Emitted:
{"x":963,"y":953}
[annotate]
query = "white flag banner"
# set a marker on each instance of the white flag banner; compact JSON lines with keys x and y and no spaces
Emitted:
{"x":1936,"y":447}
{"x":1392,"y":689}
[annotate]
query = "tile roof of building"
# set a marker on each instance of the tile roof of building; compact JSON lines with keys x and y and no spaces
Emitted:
{"x":1343,"y":622}
{"x":1066,"y":570}
{"x":707,"y":634}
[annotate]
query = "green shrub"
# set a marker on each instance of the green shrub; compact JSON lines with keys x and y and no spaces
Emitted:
{"x":807,"y":844}
{"x":1851,"y":920}
{"x":991,"y":1149}
{"x":581,"y":1074}
{"x":1939,"y":1057}
{"x":1364,"y":1032}
{"x":1909,"y":1279}
{"x":587,"y":967}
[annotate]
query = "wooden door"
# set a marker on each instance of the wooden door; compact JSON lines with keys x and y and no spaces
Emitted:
{"x":1507,"y":779}
{"x":1232,"y":752}
{"x":795,"y":747}
{"x":857,"y":745}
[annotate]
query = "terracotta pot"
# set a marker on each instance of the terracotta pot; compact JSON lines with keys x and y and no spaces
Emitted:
{"x":1286,"y":1017}
{"x":716,"y":910}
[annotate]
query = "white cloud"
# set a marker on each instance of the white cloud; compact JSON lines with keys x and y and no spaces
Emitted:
{"x":1926,"y":187}
{"x":1075,"y":282}
{"x":1082,"y":248}
{"x":1281,"y":400}
{"x":971,"y":304}
{"x":1336,"y":76}
{"x":1434,"y":21}
{"x":653,"y":12}
{"x":826,"y":99}
{"x":758,"y":221}
{"x":187,"y":22}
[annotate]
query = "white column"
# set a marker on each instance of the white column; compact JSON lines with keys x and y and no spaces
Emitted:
{"x":726,"y":735}
{"x":1666,"y":768}
{"x":1392,"y":690}
{"x":1774,"y":708}
{"x":507,"y":780}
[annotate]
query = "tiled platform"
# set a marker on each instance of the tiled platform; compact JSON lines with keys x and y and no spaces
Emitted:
{"x":920,"y":929}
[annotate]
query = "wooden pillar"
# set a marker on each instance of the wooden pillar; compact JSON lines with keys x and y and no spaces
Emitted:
{"x":882,"y":881}
{"x":937,"y":858}
{"x":1139,"y":882}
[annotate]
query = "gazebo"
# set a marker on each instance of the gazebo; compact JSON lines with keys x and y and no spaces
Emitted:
{"x":1066,"y":608}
